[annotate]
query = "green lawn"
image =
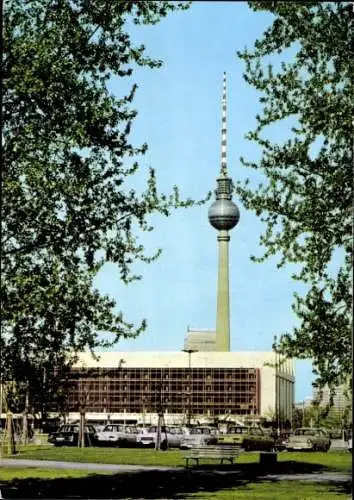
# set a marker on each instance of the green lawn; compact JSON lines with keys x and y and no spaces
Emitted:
{"x":241,"y":481}
{"x":270,"y":490}
{"x":336,"y":461}
{"x":11,"y":473}
{"x":65,"y":484}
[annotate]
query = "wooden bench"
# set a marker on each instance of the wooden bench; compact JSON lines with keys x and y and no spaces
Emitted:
{"x":212,"y":452}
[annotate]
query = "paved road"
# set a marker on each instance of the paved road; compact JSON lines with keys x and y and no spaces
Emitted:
{"x":56,"y":464}
{"x":317,"y":477}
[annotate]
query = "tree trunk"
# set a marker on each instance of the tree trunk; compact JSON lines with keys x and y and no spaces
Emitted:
{"x":81,"y":440}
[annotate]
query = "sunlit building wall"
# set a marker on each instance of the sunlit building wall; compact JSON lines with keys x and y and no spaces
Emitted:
{"x":137,"y":385}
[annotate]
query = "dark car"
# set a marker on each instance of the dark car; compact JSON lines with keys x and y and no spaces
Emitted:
{"x":281,"y":441}
{"x":68,"y":435}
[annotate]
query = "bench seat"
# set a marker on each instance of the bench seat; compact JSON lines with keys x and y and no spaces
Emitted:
{"x":212,"y":452}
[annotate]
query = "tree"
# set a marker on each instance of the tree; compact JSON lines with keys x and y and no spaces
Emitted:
{"x":306,"y":198}
{"x":67,"y":202}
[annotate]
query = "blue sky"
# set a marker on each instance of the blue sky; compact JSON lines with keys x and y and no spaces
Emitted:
{"x":179,"y":116}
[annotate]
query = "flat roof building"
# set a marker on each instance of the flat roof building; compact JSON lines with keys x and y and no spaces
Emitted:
{"x":200,"y":340}
{"x":137,"y":385}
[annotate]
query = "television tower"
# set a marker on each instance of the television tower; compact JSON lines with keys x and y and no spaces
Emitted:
{"x":223,"y":215}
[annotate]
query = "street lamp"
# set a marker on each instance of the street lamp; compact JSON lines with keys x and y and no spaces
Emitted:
{"x":277,"y":385}
{"x":190,"y":391}
{"x":120,"y":364}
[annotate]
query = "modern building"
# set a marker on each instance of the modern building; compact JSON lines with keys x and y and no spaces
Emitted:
{"x":138,"y":385}
{"x":206,"y":381}
{"x":200,"y":340}
{"x":341,"y":397}
{"x":306,"y":403}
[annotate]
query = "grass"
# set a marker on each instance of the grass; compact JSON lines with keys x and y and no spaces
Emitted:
{"x":103,"y":455}
{"x":335,"y":461}
{"x":11,"y":473}
{"x":67,"y":484}
{"x":270,"y":490}
{"x":244,"y":480}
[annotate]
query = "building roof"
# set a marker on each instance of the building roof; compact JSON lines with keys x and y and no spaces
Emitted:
{"x":180,"y":359}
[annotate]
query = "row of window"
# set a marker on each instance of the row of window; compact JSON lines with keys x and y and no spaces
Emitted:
{"x":179,"y":399}
{"x":172,"y":386}
{"x":142,"y":392}
{"x":131,"y":373}
{"x":210,"y":409}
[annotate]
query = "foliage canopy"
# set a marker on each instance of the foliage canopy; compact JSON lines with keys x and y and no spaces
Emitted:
{"x":306,"y":201}
{"x":67,"y":204}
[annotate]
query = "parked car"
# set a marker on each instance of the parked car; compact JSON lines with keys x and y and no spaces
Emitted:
{"x":249,"y":438}
{"x":175,"y":436}
{"x":68,"y":435}
{"x":281,"y":441}
{"x":117,"y":435}
{"x":311,"y":439}
{"x":335,"y":433}
{"x":199,"y":436}
{"x":148,"y":437}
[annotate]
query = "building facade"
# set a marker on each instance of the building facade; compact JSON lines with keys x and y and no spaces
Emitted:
{"x":139,"y":385}
{"x":341,"y":397}
{"x":200,"y":340}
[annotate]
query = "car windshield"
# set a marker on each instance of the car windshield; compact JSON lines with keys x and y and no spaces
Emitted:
{"x":174,"y":430}
{"x":200,"y":430}
{"x":238,"y":430}
{"x":131,"y":430}
{"x":75,"y":428}
{"x":305,"y":432}
{"x":69,"y":428}
{"x":113,"y":428}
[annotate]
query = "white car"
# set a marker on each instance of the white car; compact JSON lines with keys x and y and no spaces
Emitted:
{"x":199,"y":436}
{"x":148,"y":437}
{"x":175,"y":436}
{"x":309,"y":439}
{"x":117,"y":435}
{"x":171,"y":437}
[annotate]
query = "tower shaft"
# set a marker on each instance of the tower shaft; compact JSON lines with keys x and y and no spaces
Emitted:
{"x":223,"y":302}
{"x":223,"y":216}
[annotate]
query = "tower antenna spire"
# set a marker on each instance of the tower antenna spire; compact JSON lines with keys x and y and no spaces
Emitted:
{"x":223,"y":215}
{"x":223,"y":169}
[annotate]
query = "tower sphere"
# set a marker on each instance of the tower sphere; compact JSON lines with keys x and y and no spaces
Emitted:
{"x":223,"y":214}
